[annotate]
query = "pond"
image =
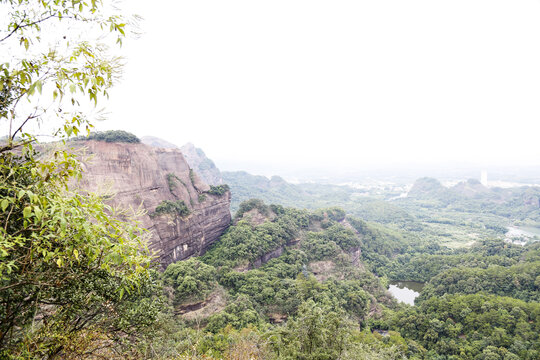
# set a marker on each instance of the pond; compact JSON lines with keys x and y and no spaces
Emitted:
{"x":522,"y":234}
{"x":406,"y":291}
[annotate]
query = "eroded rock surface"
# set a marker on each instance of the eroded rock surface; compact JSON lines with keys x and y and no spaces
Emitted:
{"x":140,"y":176}
{"x":205,"y":167}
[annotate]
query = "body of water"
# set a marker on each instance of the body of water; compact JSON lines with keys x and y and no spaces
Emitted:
{"x":406,"y":291}
{"x":526,"y":231}
{"x":522,"y":234}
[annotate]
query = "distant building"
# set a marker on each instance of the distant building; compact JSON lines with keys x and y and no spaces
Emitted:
{"x":483,"y":178}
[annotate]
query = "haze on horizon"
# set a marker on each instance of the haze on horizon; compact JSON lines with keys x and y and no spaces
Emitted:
{"x":304,"y":84}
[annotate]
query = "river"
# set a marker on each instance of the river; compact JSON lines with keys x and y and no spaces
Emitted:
{"x":406,"y":291}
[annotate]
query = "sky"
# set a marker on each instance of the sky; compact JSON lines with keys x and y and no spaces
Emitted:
{"x":306,"y":84}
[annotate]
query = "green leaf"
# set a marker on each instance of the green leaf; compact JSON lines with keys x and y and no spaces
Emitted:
{"x":27,"y":211}
{"x":5,"y":204}
{"x":38,"y":212}
{"x":31,"y":89}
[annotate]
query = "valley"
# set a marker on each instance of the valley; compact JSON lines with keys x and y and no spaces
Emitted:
{"x":290,"y":180}
{"x":441,"y":273}
{"x":450,"y":244}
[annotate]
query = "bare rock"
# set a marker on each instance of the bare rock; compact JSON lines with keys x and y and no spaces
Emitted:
{"x":205,"y":167}
{"x":201,"y":310}
{"x":140,"y":176}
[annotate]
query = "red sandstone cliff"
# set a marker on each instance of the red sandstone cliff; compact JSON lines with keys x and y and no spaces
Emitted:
{"x":140,"y":175}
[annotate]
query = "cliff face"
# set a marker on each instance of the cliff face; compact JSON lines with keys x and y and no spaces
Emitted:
{"x":205,"y":167}
{"x":142,"y":176}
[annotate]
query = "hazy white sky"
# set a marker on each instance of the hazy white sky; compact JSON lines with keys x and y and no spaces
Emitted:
{"x":366,"y":82}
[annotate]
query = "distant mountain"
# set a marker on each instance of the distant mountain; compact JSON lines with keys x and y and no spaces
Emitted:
{"x":276,"y":190}
{"x":518,"y":203}
{"x":199,"y":162}
{"x":471,"y":188}
{"x":430,"y":188}
{"x":426,"y":187}
{"x":245,"y":186}
{"x":157,"y":142}
{"x":195,"y":157}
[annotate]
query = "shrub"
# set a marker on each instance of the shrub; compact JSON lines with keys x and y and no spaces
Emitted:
{"x":191,"y":279}
{"x":192,"y":176}
{"x":238,"y":314}
{"x":218,"y":190}
{"x":250,"y":205}
{"x":170,"y":181}
{"x":172,"y":207}
{"x":336,"y":214}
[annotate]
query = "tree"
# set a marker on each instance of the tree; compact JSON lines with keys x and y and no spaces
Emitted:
{"x":317,"y":332}
{"x":53,"y":62}
{"x":68,"y":266}
{"x":74,"y":279}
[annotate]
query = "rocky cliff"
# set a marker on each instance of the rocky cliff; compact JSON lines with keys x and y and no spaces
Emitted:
{"x":195,"y":157}
{"x":152,"y":178}
{"x":205,"y":167}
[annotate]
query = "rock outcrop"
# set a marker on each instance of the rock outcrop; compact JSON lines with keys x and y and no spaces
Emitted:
{"x":205,"y":167}
{"x":195,"y":157}
{"x":140,"y":176}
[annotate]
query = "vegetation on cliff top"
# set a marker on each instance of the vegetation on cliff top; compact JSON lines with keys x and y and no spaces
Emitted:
{"x":218,"y":190}
{"x":118,"y":136}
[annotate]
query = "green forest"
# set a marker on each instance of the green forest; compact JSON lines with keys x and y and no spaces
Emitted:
{"x":485,"y":307}
{"x":321,"y":294}
{"x":301,"y":272}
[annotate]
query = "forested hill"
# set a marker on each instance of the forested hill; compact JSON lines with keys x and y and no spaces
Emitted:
{"x":293,"y":284}
{"x":276,"y":190}
{"x":521,"y":203}
{"x":455,"y":216}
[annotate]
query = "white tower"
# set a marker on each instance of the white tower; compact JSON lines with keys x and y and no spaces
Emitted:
{"x":483,"y":178}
